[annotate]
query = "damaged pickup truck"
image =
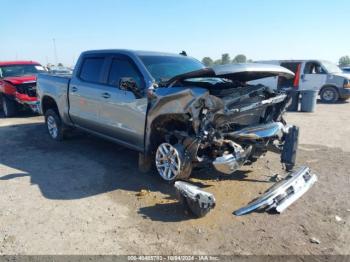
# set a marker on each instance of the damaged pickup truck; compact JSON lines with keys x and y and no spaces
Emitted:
{"x":174,"y":111}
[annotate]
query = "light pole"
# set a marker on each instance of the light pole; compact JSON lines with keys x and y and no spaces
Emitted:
{"x":54,"y":50}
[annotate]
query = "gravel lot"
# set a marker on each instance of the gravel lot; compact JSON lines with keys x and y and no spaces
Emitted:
{"x":82,"y":196}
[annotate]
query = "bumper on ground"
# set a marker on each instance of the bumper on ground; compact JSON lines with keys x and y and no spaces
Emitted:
{"x":282,"y":194}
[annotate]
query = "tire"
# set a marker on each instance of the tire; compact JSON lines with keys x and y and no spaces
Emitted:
{"x":54,"y":125}
{"x":329,"y":95}
{"x":9,"y":107}
{"x":171,"y":162}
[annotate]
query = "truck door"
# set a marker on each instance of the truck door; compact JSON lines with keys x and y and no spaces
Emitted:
{"x":122,"y":114}
{"x":314,"y":76}
{"x":84,"y":92}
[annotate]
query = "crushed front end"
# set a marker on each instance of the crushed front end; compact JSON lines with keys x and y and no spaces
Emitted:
{"x":229,"y":124}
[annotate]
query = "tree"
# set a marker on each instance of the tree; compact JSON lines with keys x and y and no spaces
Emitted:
{"x":207,"y":61}
{"x":344,"y":61}
{"x":60,"y":65}
{"x":239,"y":59}
{"x":218,"y":62}
{"x":225,"y":59}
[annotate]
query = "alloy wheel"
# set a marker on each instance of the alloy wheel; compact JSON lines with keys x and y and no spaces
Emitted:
{"x":168,"y":161}
{"x":52,"y":126}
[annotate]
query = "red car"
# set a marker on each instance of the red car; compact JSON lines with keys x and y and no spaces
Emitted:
{"x":18,"y":86}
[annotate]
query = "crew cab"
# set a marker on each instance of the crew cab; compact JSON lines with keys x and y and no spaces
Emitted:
{"x":18,"y":86}
{"x":331,"y":83}
{"x":172,"y":109}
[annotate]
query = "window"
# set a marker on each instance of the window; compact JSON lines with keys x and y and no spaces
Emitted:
{"x":162,"y":68}
{"x":313,"y":68}
{"x":122,"y":67}
{"x":92,"y":69}
{"x":20,"y":70}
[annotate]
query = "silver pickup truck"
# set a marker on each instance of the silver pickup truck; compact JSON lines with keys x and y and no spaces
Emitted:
{"x":174,"y":111}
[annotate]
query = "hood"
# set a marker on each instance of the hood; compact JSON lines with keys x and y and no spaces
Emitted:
{"x":17,"y":80}
{"x":344,"y":75}
{"x":237,"y":72}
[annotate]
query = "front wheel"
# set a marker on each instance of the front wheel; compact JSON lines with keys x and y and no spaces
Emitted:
{"x":9,"y":107}
{"x":329,"y":95}
{"x":172,"y":163}
{"x":54,"y":125}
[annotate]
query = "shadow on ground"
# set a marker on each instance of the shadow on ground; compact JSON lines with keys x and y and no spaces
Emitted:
{"x":84,"y":166}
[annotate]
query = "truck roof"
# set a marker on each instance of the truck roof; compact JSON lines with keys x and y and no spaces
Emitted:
{"x":129,"y":51}
{"x":5,"y":63}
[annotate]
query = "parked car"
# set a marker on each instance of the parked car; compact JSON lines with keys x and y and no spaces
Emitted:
{"x":174,"y":111}
{"x":319,"y":75}
{"x":18,"y":86}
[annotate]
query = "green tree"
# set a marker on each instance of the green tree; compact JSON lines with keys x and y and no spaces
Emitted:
{"x":218,"y":62}
{"x":344,"y":61}
{"x":207,"y":61}
{"x":239,"y":59}
{"x":60,"y":65}
{"x":225,"y":59}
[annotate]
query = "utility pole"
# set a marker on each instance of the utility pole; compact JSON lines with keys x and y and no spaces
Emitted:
{"x":54,"y":50}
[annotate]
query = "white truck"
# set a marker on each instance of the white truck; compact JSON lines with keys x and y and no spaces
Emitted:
{"x":319,"y":75}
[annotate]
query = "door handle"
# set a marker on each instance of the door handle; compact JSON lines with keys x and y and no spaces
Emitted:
{"x":74,"y":89}
{"x":106,"y":95}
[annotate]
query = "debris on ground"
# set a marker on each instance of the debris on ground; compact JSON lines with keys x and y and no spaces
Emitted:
{"x":282,"y":194}
{"x":315,"y":241}
{"x":276,"y":178}
{"x":338,"y":218}
{"x":194,"y":199}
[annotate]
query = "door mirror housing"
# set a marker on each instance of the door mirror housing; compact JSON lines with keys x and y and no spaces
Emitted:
{"x":129,"y":84}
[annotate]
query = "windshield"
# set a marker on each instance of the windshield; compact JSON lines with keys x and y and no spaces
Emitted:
{"x":330,"y":67}
{"x":163,"y":68}
{"x":20,"y":70}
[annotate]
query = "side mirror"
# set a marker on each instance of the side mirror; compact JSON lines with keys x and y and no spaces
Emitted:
{"x":129,"y":84}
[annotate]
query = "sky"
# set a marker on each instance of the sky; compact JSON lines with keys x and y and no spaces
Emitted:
{"x":260,"y":29}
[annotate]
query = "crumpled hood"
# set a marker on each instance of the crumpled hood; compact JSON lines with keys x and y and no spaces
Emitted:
{"x":237,"y":72}
{"x":17,"y":80}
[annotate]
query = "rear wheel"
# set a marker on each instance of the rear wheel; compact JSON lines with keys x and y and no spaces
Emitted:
{"x":9,"y":107}
{"x":171,"y":162}
{"x":329,"y":95}
{"x":54,"y":125}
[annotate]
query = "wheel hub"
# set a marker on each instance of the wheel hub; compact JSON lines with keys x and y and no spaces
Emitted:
{"x":168,"y":161}
{"x":328,"y":95}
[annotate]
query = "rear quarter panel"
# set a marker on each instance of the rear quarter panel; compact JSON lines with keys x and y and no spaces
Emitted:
{"x":55,"y":87}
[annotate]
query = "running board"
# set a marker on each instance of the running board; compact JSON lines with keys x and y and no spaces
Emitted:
{"x":282,"y":194}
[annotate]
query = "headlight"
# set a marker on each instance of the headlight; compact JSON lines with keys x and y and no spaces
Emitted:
{"x":346,"y":83}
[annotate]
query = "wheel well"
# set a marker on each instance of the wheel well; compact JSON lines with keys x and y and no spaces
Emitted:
{"x":165,"y":124}
{"x":323,"y":87}
{"x":49,"y":103}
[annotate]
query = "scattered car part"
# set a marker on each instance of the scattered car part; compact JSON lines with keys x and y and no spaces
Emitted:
{"x":229,"y":163}
{"x":196,"y":200}
{"x":282,"y":194}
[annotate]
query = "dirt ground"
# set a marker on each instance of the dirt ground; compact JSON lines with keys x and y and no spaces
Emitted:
{"x":81,"y":196}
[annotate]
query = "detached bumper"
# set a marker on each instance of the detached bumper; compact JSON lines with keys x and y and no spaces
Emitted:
{"x":284,"y":193}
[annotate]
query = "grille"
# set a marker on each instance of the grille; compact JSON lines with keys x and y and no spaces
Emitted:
{"x":27,"y":88}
